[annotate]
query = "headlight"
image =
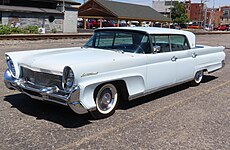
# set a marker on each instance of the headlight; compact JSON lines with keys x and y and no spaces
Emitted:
{"x":10,"y":65}
{"x":67,"y":79}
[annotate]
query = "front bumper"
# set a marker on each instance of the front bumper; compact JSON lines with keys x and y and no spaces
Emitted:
{"x":52,"y":94}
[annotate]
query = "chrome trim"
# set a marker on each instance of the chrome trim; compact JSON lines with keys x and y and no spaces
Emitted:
{"x":52,"y":94}
{"x":89,"y":74}
{"x":223,"y":63}
{"x":194,"y":55}
{"x":40,"y":70}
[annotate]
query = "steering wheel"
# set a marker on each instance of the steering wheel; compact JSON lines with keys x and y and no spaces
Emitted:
{"x":139,"y":49}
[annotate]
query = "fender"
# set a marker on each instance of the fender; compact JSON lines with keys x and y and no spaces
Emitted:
{"x":134,"y":85}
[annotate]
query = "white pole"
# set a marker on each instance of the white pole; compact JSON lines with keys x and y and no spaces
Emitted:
{"x":63,"y":6}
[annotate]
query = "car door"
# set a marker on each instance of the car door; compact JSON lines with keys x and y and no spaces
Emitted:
{"x":161,"y":65}
{"x":184,"y":58}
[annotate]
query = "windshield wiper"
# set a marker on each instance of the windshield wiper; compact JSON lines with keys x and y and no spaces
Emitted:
{"x":117,"y":50}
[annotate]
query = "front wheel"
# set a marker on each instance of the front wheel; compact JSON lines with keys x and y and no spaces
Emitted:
{"x":198,"y":78}
{"x":106,"y":99}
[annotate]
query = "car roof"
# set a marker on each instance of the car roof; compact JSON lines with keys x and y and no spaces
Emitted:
{"x":150,"y":30}
{"x":157,"y":30}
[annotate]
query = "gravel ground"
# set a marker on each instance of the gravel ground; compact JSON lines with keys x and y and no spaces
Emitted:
{"x":181,"y":117}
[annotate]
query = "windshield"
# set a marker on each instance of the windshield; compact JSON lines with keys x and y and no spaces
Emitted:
{"x":126,"y":41}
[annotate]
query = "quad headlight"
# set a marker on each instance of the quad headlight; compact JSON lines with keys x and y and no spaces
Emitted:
{"x":67,"y":79}
{"x":10,"y":65}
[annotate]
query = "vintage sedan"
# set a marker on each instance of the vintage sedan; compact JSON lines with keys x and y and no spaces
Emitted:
{"x":116,"y":64}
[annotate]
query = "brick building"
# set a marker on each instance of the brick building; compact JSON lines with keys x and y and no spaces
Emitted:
{"x":56,"y":15}
{"x":195,"y":12}
{"x":225,"y":18}
{"x":163,"y":6}
{"x":214,"y":16}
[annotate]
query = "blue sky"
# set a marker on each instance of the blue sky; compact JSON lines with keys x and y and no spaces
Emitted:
{"x":148,"y":2}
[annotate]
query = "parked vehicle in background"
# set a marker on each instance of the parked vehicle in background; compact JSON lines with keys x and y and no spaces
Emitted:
{"x":134,"y":24}
{"x":208,"y":27}
{"x":80,"y":24}
{"x":174,"y":26}
{"x":221,"y":27}
{"x":123,"y":23}
{"x":183,"y":26}
{"x":146,"y":24}
{"x":109,"y":23}
{"x":193,"y":26}
{"x":93,"y":23}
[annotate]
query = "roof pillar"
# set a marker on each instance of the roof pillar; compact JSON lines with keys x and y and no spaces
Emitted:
{"x":84,"y":23}
{"x":151,"y":24}
{"x":100,"y":21}
{"x":118,"y":22}
{"x":140,"y":22}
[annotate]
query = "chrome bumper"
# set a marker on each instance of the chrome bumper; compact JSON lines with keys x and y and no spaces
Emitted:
{"x":52,"y":94}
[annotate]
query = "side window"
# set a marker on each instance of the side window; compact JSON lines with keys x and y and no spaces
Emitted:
{"x":145,"y":44}
{"x":104,"y":40}
{"x":123,"y":38}
{"x":178,"y":43}
{"x":162,"y":41}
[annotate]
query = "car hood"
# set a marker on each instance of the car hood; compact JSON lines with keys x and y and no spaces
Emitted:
{"x":55,"y":60}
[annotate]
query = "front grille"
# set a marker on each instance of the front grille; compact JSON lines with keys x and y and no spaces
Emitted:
{"x":41,"y":78}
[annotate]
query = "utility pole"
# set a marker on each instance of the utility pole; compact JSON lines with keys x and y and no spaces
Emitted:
{"x":63,"y":6}
{"x":170,"y":13}
{"x":205,"y":14}
{"x":213,"y":12}
{"x":200,"y":13}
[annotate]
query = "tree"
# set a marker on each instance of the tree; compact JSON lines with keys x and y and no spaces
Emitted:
{"x":178,"y":13}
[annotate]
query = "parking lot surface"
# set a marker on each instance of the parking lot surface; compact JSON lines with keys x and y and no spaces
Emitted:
{"x":181,"y":117}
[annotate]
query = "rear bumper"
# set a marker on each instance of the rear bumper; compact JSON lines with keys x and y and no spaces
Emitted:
{"x":52,"y":94}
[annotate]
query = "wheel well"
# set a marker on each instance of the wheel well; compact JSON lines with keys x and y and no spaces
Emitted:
{"x":205,"y":70}
{"x":121,"y":88}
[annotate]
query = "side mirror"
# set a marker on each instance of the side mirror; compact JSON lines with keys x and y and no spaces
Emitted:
{"x":156,"y":49}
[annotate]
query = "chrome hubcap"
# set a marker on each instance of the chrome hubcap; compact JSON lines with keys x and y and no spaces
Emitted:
{"x":106,"y":99}
{"x":198,"y":76}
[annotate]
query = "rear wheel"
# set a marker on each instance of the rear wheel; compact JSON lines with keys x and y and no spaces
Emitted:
{"x":106,"y":99}
{"x":198,"y":78}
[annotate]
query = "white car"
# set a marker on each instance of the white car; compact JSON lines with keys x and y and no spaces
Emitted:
{"x":114,"y":65}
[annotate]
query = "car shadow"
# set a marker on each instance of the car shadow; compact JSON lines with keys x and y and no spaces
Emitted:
{"x":124,"y":105}
{"x":208,"y":78}
{"x":67,"y":118}
{"x":51,"y":112}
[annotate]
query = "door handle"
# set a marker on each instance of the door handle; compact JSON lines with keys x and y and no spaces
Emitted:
{"x":174,"y":58}
{"x":194,"y":55}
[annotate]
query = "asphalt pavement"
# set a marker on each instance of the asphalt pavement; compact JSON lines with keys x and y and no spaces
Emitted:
{"x":182,"y":117}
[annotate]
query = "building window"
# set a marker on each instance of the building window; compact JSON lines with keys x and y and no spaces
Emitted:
{"x":225,"y":12}
{"x":0,"y":17}
{"x":51,"y":19}
{"x":3,"y":2}
{"x":170,"y":3}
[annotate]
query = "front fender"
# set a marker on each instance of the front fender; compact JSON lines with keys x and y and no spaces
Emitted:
{"x":134,"y":85}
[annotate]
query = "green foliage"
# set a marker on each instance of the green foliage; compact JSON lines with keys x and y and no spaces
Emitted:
{"x":178,"y":13}
{"x":30,"y":29}
{"x":4,"y":29}
{"x":54,"y":30}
